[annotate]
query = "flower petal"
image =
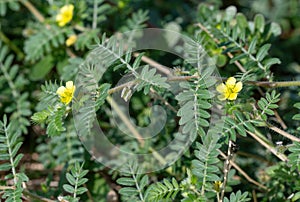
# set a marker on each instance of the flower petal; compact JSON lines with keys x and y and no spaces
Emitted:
{"x":230,"y":83}
{"x":221,"y":88}
{"x":221,"y":97}
{"x":238,"y":87}
{"x":69,"y":85}
{"x":61,"y":91}
{"x":232,"y":96}
{"x":59,"y":17}
{"x":67,"y":8}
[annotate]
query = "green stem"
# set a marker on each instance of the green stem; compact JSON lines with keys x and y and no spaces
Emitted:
{"x":11,"y":45}
{"x":94,"y":25}
{"x":275,"y":84}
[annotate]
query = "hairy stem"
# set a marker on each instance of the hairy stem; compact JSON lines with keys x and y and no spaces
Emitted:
{"x":243,"y":173}
{"x":226,"y":168}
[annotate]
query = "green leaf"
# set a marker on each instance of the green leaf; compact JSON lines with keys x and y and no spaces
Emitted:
{"x":81,"y":190}
{"x":271,"y":61}
{"x":275,"y":29}
{"x":5,"y":166}
{"x":126,"y":181}
{"x":17,"y":159}
{"x":144,"y":181}
{"x":69,"y":188}
{"x":128,"y":191}
{"x":259,"y":22}
{"x":252,"y":45}
{"x":239,"y":57}
{"x":230,"y":13}
{"x":71,"y":179}
{"x":262,"y":52}
{"x":241,"y":20}
{"x":41,"y":69}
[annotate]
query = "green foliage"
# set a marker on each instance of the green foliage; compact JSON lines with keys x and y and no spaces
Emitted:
{"x":11,"y":4}
{"x":195,"y":101}
{"x":266,"y":105}
{"x":10,"y":145}
{"x":283,"y":183}
{"x":62,"y":149}
{"x":238,"y":125}
{"x":204,"y":167}
{"x":76,"y":181}
{"x":44,"y":41}
{"x":254,"y":41}
{"x":12,"y":84}
{"x":297,"y":116}
{"x":294,"y":156}
{"x":163,"y":191}
{"x":137,"y":21}
{"x":234,"y":37}
{"x":134,"y":183}
{"x":238,"y":197}
{"x":97,"y":15}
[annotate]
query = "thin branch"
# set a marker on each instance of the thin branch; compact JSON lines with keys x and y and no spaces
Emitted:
{"x":279,"y":120}
{"x":283,"y":133}
{"x":126,"y":121}
{"x":227,"y":164}
{"x":120,"y":87}
{"x":159,"y":67}
{"x":133,"y":130}
{"x":33,"y":10}
{"x":157,"y":96}
{"x":270,"y":148}
{"x":36,"y":197}
{"x":243,"y":173}
{"x":11,"y":45}
{"x":94,"y":25}
{"x":275,"y":84}
{"x":89,"y":193}
{"x":7,"y":187}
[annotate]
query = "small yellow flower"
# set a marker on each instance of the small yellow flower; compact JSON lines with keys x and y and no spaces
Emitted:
{"x":71,"y":40}
{"x":217,"y":186}
{"x":66,"y":93}
{"x":65,"y":15}
{"x":230,"y":89}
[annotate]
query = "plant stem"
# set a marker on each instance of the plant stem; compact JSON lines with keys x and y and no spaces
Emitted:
{"x":33,"y":10}
{"x":226,"y":168}
{"x":11,"y":45}
{"x":125,"y":120}
{"x":134,"y":131}
{"x":36,"y":197}
{"x":269,"y":147}
{"x":275,"y":84}
{"x":243,"y":173}
{"x":94,"y":25}
{"x":159,"y":67}
{"x":283,"y":133}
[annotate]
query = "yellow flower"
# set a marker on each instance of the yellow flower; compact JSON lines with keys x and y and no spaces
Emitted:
{"x":66,"y":93}
{"x":217,"y":186}
{"x":65,"y":15}
{"x":230,"y":89}
{"x":71,"y":40}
